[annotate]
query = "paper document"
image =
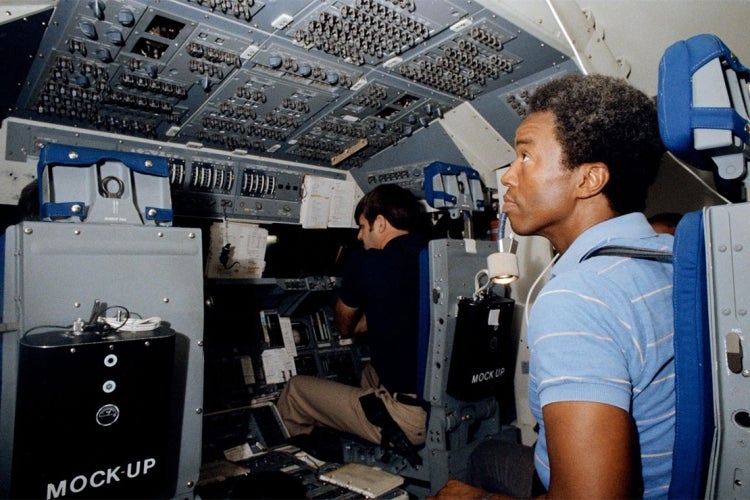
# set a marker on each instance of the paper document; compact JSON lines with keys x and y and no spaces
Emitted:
{"x":237,"y":250}
{"x":278,"y":366}
{"x":366,"y":480}
{"x":327,"y":202}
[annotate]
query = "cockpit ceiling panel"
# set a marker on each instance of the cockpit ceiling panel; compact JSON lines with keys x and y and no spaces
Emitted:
{"x":327,"y":83}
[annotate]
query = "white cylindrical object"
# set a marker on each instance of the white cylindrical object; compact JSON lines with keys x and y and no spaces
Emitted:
{"x":502,"y":267}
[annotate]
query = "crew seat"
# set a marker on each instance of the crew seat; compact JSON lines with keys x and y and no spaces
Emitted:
{"x":467,"y":353}
{"x":106,"y":303}
{"x":703,"y":119}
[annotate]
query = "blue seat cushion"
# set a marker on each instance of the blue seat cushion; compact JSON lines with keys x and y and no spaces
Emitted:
{"x":694,"y":422}
{"x":423,"y":342}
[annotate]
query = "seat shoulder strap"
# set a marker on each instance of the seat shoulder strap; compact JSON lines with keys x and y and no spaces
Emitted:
{"x":636,"y":253}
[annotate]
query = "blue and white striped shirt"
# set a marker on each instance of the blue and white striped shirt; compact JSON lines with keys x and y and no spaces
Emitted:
{"x":601,"y":331}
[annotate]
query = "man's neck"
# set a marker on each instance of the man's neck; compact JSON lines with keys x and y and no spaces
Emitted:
{"x":586,"y":216}
{"x":390,"y":234}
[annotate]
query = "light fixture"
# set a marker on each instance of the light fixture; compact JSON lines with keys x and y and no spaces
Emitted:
{"x":502,"y":266}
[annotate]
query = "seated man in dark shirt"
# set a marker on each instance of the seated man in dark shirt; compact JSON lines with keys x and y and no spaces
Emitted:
{"x":378,"y":295}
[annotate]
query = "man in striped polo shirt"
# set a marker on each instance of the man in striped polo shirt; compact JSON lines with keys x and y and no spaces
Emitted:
{"x":601,"y":382}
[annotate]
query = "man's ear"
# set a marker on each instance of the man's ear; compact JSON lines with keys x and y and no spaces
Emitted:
{"x":593,"y":177}
{"x":380,"y":223}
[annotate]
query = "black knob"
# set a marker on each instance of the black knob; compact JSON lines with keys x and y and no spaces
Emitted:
{"x":126,"y":17}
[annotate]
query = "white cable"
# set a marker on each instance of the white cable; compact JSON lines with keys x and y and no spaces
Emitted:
{"x":478,"y":290}
{"x":533,"y":286}
{"x":567,"y":37}
{"x":690,"y":171}
{"x":133,"y":324}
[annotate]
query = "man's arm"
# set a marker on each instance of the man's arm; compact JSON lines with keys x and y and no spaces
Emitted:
{"x":591,"y":451}
{"x":349,"y":320}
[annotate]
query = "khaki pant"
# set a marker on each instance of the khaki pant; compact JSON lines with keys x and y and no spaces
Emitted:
{"x":309,"y":401}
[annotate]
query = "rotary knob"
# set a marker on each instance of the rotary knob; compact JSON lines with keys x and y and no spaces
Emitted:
{"x":126,"y":17}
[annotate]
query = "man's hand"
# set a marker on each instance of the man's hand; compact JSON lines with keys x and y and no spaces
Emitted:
{"x":454,"y":489}
{"x":348,"y":320}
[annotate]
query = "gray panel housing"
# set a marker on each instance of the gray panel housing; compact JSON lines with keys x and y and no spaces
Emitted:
{"x":728,"y":265}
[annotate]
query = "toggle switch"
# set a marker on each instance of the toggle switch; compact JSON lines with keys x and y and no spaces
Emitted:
{"x":205,"y":82}
{"x":151,"y":69}
{"x":97,"y":7}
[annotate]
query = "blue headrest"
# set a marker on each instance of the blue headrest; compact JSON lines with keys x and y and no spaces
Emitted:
{"x":441,"y":187}
{"x":678,"y":116}
{"x":103,"y":186}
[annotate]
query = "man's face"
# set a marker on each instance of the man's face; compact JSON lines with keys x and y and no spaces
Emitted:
{"x":366,"y":234}
{"x":541,"y":191}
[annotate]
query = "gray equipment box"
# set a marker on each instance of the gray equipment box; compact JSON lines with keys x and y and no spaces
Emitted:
{"x":54,"y":273}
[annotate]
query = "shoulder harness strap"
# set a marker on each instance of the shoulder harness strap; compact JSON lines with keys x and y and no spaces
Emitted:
{"x":636,"y":253}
